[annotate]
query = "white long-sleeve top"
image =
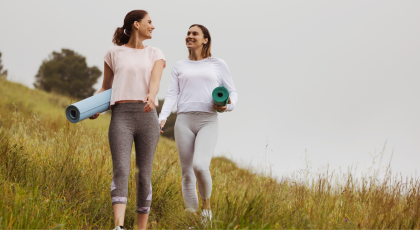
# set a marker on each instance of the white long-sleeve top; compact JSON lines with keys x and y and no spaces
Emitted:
{"x":192,"y":83}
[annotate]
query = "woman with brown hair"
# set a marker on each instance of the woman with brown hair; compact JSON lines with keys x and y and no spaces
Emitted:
{"x":133,"y":71}
{"x":196,"y":127}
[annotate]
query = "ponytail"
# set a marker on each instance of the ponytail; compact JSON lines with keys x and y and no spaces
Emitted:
{"x":122,"y":34}
{"x":120,"y":38}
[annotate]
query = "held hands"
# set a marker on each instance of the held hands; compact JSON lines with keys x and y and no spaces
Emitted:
{"x":162,"y":124}
{"x":221,"y":108}
{"x":150,"y":100}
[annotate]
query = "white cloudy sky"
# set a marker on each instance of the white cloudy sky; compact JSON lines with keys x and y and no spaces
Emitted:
{"x":337,"y":78}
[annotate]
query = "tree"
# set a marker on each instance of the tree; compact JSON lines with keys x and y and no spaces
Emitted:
{"x":67,"y":73}
{"x":3,"y":73}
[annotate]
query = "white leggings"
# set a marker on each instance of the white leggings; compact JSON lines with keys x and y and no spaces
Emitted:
{"x":196,"y":137}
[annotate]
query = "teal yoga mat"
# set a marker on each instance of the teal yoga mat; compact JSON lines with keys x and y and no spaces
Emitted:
{"x":88,"y":107}
{"x":220,"y":96}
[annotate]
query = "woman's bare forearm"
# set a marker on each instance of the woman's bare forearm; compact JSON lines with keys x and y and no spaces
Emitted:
{"x":155,"y":78}
{"x":154,"y":87}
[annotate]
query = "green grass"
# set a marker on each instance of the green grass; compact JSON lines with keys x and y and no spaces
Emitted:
{"x":54,"y":174}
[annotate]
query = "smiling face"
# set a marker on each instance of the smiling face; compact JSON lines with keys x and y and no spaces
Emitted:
{"x":144,"y":27}
{"x":195,"y":38}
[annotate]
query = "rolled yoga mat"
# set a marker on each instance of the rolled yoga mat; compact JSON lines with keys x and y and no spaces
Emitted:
{"x":220,"y":96}
{"x":88,"y":107}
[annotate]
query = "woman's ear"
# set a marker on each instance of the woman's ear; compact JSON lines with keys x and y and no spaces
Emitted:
{"x":205,"y":41}
{"x":136,"y":24}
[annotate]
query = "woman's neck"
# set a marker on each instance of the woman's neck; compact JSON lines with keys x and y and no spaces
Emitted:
{"x":196,"y":54}
{"x":135,"y":42}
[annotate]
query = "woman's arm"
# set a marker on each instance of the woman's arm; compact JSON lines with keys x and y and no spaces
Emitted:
{"x":108,"y":78}
{"x":107,"y":83}
{"x":154,"y":85}
{"x":170,"y":99}
{"x":227,"y":82}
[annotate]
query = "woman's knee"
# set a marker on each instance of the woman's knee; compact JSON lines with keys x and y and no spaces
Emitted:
{"x":201,"y":169}
{"x":188,"y":176}
{"x":121,"y":175}
{"x":143,"y":180}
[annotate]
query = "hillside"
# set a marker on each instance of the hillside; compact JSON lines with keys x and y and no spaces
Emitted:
{"x":55,"y":174}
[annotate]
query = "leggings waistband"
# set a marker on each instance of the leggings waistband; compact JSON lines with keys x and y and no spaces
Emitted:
{"x":129,"y":107}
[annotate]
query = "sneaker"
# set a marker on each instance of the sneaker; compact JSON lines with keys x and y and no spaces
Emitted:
{"x":119,"y":228}
{"x":206,"y":217}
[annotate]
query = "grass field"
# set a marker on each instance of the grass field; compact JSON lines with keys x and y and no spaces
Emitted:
{"x":57,"y":175}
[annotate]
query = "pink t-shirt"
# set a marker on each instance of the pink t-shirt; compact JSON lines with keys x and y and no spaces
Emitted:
{"x":132,"y":69}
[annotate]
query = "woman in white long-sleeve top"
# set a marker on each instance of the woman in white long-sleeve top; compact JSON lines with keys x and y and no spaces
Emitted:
{"x":196,"y":127}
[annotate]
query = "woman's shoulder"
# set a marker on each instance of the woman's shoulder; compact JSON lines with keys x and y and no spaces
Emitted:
{"x":218,"y":62}
{"x":181,"y":63}
{"x":154,"y":49}
{"x":114,"y":48}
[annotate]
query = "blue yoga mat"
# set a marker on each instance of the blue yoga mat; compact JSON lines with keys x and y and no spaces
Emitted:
{"x":220,"y":96}
{"x":88,"y":107}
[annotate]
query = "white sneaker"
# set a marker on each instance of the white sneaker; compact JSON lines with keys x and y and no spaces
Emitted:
{"x":119,"y":228}
{"x":206,"y":217}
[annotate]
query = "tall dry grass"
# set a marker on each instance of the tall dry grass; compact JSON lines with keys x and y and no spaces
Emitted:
{"x":54,"y":174}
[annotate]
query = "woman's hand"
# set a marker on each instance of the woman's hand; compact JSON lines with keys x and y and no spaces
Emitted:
{"x":221,"y":108}
{"x":150,"y":99}
{"x":94,"y":116}
{"x":162,"y":124}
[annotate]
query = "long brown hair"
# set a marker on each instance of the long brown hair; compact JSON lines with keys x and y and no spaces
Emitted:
{"x":205,"y":53}
{"x":122,"y":37}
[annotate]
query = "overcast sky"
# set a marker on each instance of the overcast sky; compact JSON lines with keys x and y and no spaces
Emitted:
{"x":334,"y":78}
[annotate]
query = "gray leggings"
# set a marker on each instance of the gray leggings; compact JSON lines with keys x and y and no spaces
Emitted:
{"x":129,"y":122}
{"x":196,"y":137}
